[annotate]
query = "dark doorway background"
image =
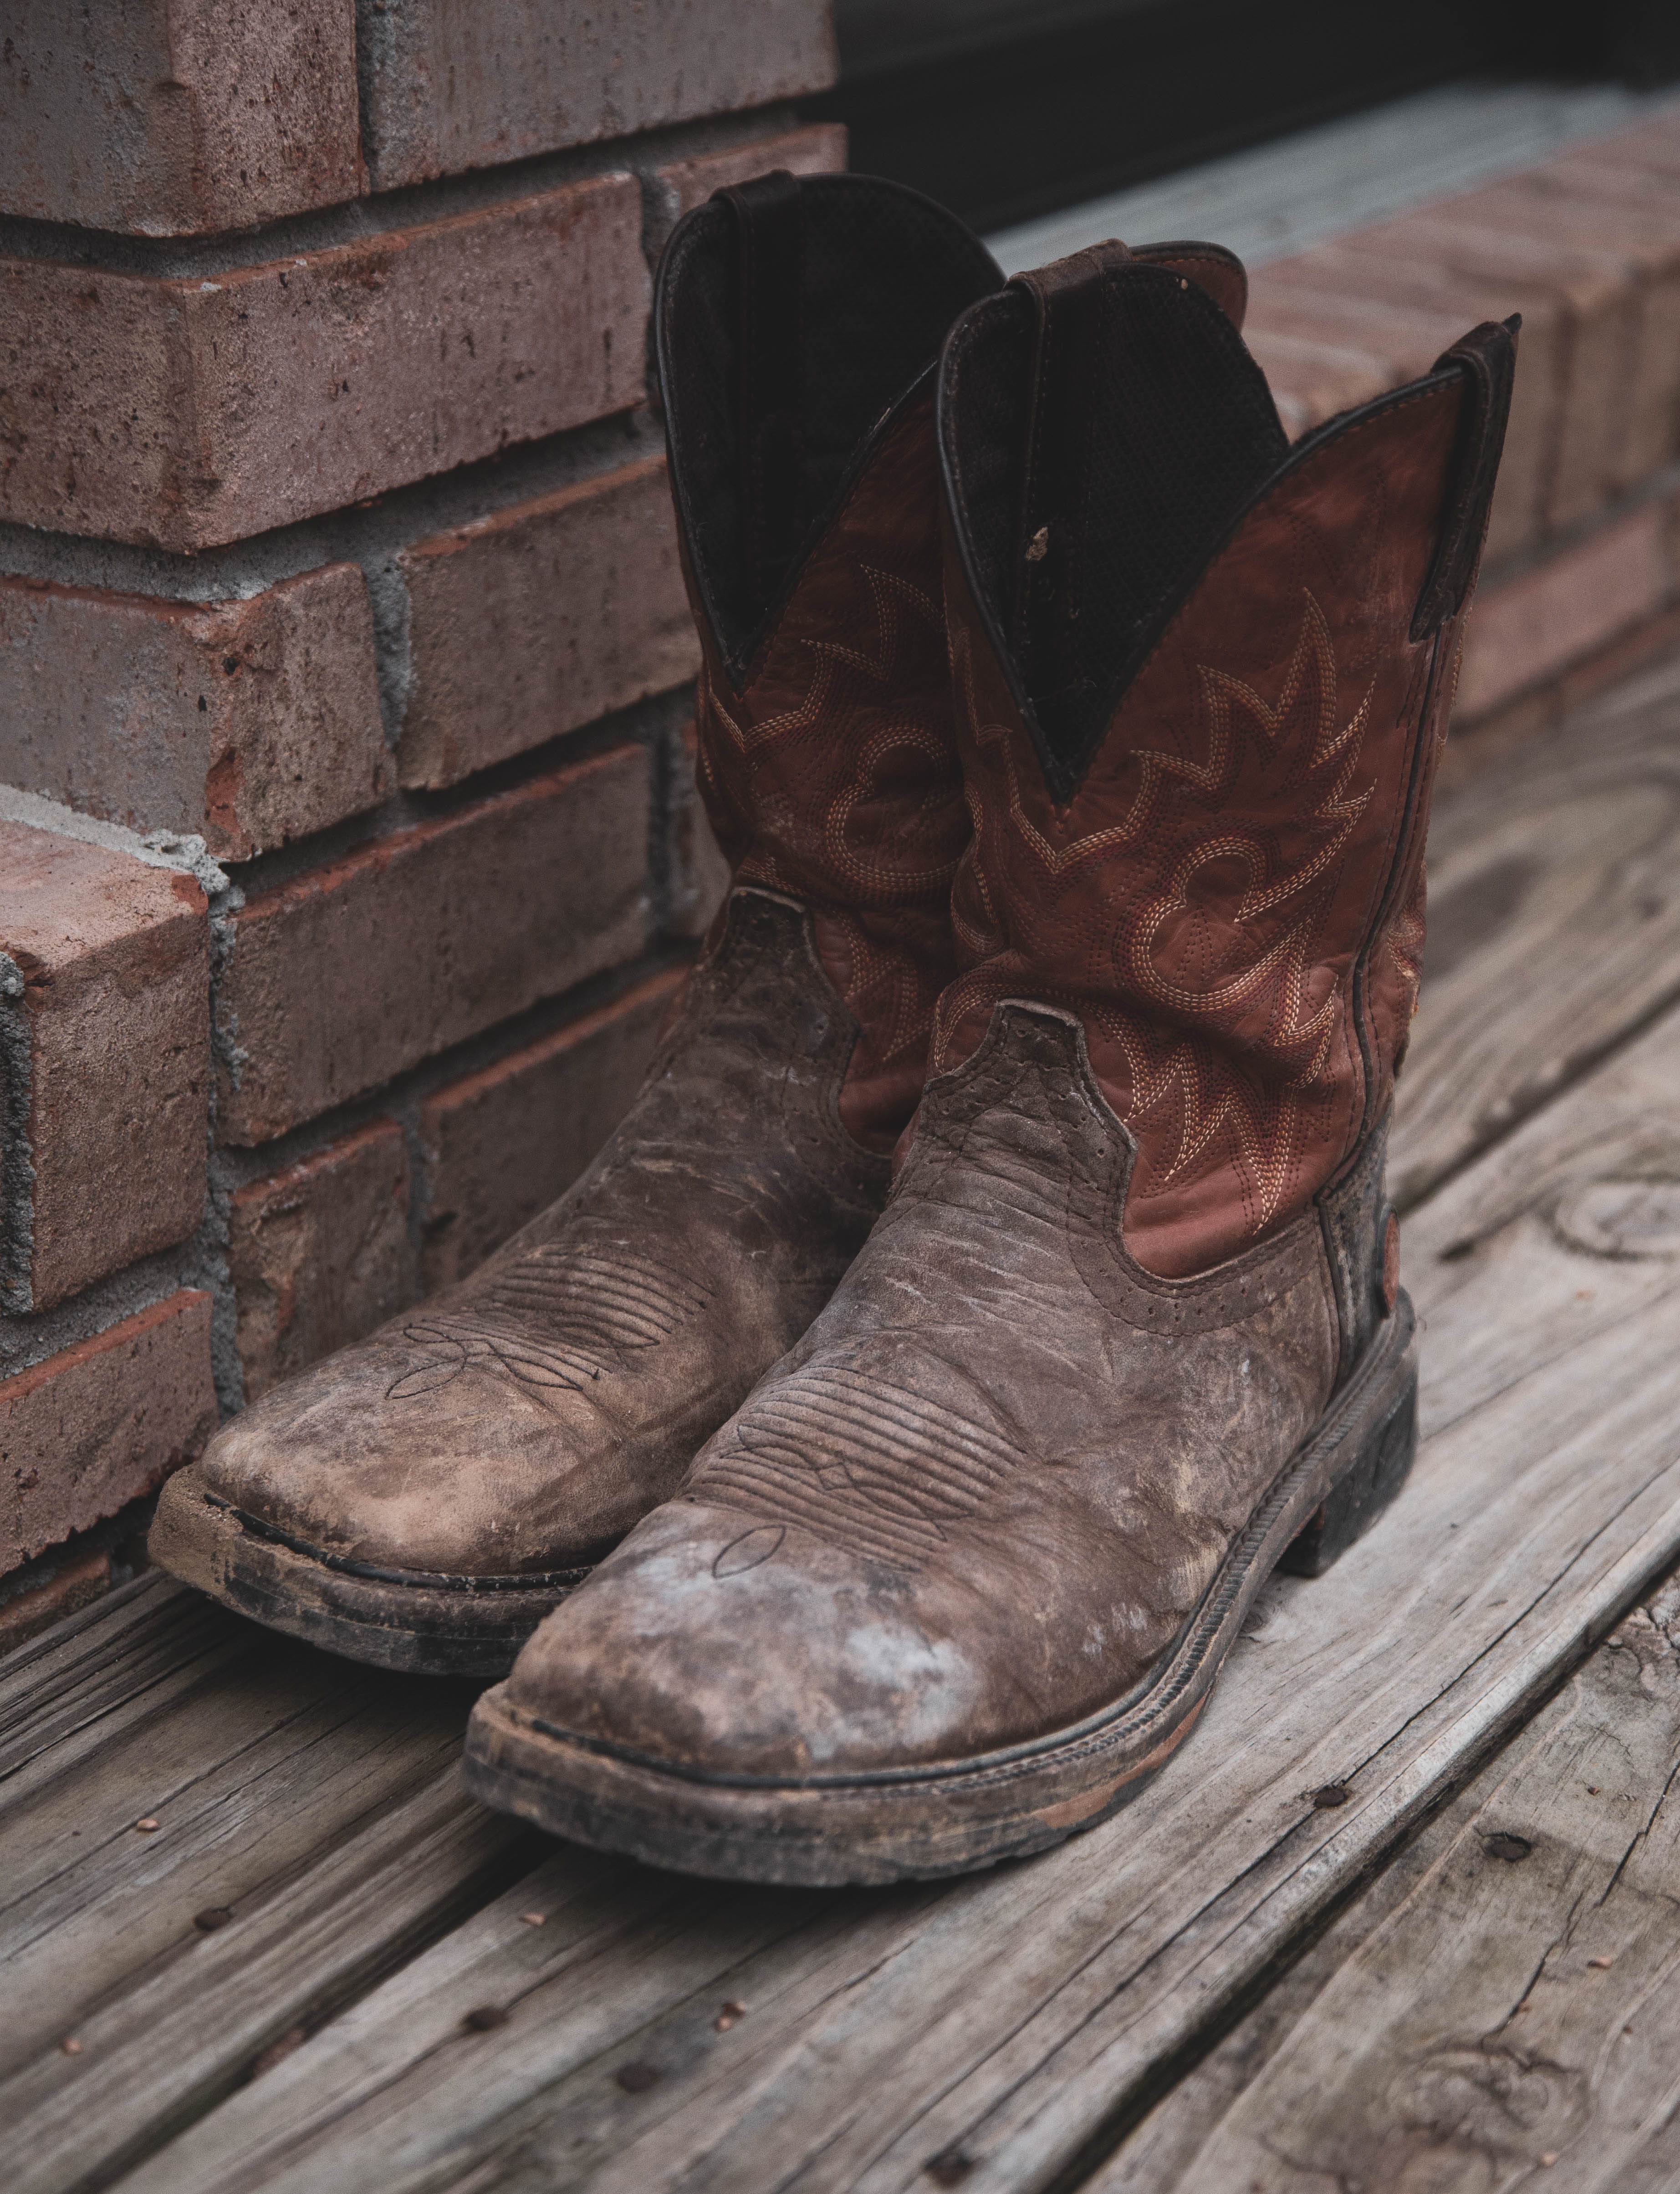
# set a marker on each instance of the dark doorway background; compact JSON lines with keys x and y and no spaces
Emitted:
{"x":1006,"y":109}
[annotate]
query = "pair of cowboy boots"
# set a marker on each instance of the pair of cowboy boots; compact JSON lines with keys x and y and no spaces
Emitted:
{"x":872,"y":1459}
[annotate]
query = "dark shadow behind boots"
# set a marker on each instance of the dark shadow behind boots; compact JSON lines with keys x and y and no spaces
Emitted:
{"x":422,"y":1499}
{"x":958,"y":1578}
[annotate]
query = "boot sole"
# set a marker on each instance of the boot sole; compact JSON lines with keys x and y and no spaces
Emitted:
{"x":421,"y":1623}
{"x":920,"y":1823}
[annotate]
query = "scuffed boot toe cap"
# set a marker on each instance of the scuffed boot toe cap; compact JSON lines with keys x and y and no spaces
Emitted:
{"x":454,"y":1483}
{"x":718,"y":1645}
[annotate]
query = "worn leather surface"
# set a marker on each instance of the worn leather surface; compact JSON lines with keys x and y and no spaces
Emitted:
{"x":832,"y":775}
{"x":1355,"y":1213}
{"x":1207,"y":897}
{"x":983,"y":1495}
{"x":523,"y":1421}
{"x":1217,"y":271}
{"x":1135,"y":1243}
{"x":1211,"y":266}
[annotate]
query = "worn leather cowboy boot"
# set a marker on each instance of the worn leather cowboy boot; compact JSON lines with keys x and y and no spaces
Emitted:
{"x":956,"y":1579}
{"x":422,"y":1499}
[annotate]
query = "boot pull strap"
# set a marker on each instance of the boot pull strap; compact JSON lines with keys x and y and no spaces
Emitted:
{"x":1487,"y":357}
{"x":1044,"y":592}
{"x":768,"y":267}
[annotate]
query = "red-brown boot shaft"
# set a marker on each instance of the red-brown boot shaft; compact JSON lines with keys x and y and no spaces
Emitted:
{"x":797,"y":322}
{"x":1203,"y":681}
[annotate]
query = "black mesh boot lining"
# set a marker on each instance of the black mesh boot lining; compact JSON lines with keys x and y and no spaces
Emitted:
{"x":1098,"y":454}
{"x":790,"y":315}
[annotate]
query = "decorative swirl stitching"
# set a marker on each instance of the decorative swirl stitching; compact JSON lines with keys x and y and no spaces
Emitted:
{"x":1166,"y":1064}
{"x":595,"y":1308}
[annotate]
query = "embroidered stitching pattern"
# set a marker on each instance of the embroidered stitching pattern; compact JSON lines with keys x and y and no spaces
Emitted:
{"x":876,"y":826}
{"x":1213,"y":1100}
{"x":873,"y":874}
{"x":893,"y":991}
{"x":887,"y":589}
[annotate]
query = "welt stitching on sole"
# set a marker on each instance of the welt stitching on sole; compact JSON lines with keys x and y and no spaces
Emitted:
{"x":413,"y":1580}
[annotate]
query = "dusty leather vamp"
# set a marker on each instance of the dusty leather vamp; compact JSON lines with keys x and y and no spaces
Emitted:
{"x":523,"y":1421}
{"x":985,"y":1492}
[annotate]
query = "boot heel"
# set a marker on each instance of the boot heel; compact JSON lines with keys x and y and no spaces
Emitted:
{"x":1388,"y":1442}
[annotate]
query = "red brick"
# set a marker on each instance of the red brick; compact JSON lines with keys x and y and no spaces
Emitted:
{"x":502,"y":1144}
{"x":186,"y":413}
{"x":469,"y":83}
{"x":577,"y":600}
{"x":318,"y":1253}
{"x":1637,"y":213}
{"x":700,"y":874}
{"x":1599,"y":314}
{"x":347,"y":975}
{"x":1526,"y":632}
{"x":1316,"y":299}
{"x":250,"y":722}
{"x":818,"y":149}
{"x":98,"y":1425}
{"x":1370,"y":281}
{"x":115,"y":1021}
{"x":171,"y":116}
{"x":1400,"y":341}
{"x":74,"y":1585}
{"x":1311,"y":380}
{"x":1653,"y":146}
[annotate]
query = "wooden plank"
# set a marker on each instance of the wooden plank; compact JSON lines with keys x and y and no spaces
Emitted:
{"x":177,"y":2037}
{"x":1477,"y":2019}
{"x":314,"y":1801}
{"x":1554,"y":927}
{"x":1591,"y":1177}
{"x":1001,"y":2027}
{"x":127,"y":1656}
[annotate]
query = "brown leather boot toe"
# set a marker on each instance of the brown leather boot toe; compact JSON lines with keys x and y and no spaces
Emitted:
{"x":958,"y":1577}
{"x":424,"y":1499}
{"x":955,"y":1580}
{"x":707,"y":1654}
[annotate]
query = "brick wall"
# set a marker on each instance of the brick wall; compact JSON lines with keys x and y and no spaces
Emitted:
{"x":351,"y":856}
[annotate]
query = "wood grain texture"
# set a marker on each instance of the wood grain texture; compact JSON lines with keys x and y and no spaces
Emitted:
{"x":1005,"y":2027}
{"x":315,"y":1803}
{"x":1479,"y":2019}
{"x":1554,"y":927}
{"x":1593,"y":1175}
{"x":1000,"y":2024}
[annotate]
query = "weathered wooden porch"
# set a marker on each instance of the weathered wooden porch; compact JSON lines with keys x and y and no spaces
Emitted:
{"x":1404,"y":1914}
